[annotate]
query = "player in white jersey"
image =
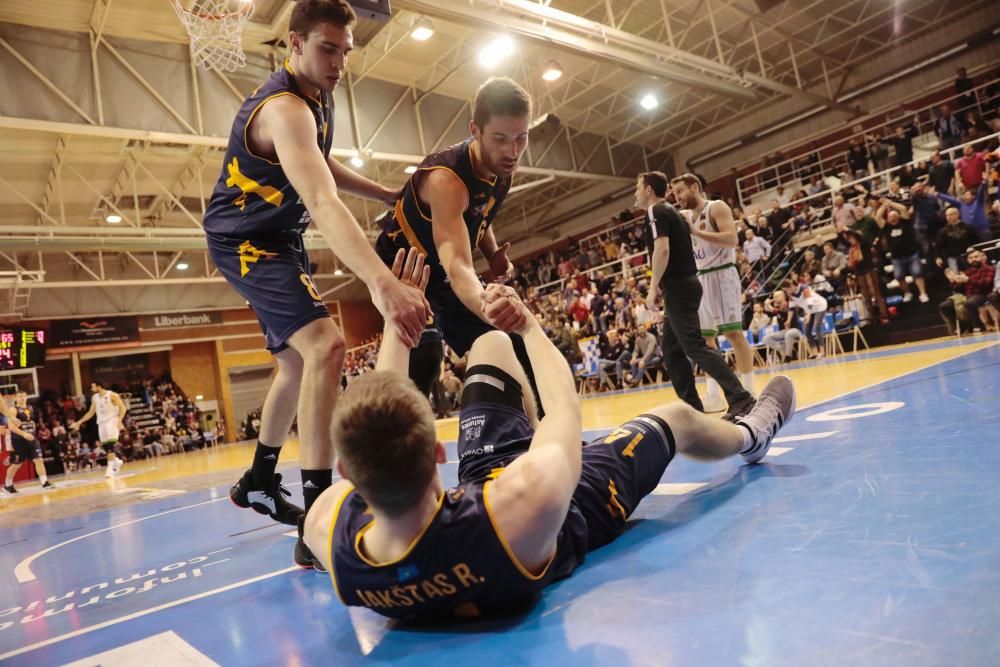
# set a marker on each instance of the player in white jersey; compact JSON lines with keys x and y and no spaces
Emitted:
{"x":714,"y":239}
{"x":110,"y":411}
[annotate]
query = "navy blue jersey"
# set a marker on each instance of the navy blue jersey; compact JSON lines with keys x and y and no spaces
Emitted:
{"x":409,"y":225}
{"x":459,"y":565}
{"x":253,"y":198}
{"x":24,"y":416}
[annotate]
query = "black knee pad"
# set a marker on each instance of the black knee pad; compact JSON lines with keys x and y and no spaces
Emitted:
{"x":488,"y":384}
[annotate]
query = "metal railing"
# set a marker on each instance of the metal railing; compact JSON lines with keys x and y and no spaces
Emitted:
{"x":883,"y":177}
{"x":833,"y":153}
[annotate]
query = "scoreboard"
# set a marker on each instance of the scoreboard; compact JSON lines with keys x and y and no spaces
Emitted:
{"x":22,"y":348}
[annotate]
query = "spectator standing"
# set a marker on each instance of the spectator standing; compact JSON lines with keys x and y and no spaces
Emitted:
{"x":901,"y":241}
{"x":972,"y":210}
{"x":971,"y":168}
{"x":965,"y":98}
{"x":953,"y":240}
{"x":948,"y":128}
{"x":942,"y":174}
{"x":756,"y":249}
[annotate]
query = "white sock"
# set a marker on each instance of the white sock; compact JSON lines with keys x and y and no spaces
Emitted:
{"x":714,"y":390}
{"x":747,"y":379}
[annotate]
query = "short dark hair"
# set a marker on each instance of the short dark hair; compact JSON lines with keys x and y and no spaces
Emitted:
{"x":310,"y":13}
{"x":656,"y":180}
{"x":500,"y":96}
{"x":689,"y":180}
{"x":98,"y":383}
{"x":383,"y":430}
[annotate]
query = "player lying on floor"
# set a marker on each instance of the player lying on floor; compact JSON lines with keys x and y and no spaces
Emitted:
{"x":530,"y":501}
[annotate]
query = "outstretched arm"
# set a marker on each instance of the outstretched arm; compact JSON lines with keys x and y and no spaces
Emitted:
{"x":351,"y":181}
{"x":290,"y":125}
{"x":394,"y":354}
{"x":529,"y":500}
{"x":87,"y":415}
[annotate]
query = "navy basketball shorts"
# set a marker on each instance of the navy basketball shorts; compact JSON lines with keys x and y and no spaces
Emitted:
{"x":493,"y":429}
{"x":619,"y":470}
{"x":273,"y":275}
{"x":24,"y":450}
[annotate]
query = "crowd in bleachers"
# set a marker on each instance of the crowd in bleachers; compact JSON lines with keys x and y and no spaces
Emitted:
{"x":812,"y":261}
{"x":173,"y":425}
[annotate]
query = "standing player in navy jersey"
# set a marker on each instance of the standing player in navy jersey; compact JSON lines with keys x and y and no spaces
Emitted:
{"x":277,"y":178}
{"x":24,"y":444}
{"x":446,"y":210}
{"x":530,"y":501}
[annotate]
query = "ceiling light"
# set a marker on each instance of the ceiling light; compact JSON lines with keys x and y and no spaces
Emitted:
{"x":422,"y":30}
{"x":199,"y":397}
{"x":649,"y":102}
{"x":357,"y":162}
{"x":182,"y":266}
{"x":412,"y":169}
{"x":552,"y":71}
{"x":496,"y":51}
{"x":112,"y":219}
{"x":338,"y":272}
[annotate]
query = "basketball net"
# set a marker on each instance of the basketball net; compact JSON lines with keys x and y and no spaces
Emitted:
{"x":216,"y":28}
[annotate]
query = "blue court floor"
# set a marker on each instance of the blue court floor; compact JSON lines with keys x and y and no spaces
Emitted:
{"x":870,"y":536}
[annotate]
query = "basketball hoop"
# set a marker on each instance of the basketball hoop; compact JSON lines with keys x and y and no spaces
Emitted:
{"x":216,"y":28}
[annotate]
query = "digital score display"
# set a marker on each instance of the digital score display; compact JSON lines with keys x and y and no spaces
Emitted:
{"x":22,"y":348}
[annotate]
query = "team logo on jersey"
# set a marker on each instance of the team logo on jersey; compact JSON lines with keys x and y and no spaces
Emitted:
{"x":250,"y":255}
{"x":248,"y":186}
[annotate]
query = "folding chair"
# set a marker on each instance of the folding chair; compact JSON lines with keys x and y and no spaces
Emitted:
{"x":831,"y":341}
{"x":855,"y":332}
{"x":755,"y":346}
{"x":589,"y":370}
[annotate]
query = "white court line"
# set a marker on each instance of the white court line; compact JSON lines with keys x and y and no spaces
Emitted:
{"x":778,"y":451}
{"x":677,"y":488}
{"x":145,"y":612}
{"x":23,"y":570}
{"x":804,"y":436}
{"x":895,"y":377}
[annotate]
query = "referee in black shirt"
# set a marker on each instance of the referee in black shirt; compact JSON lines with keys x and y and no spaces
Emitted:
{"x":668,"y":240}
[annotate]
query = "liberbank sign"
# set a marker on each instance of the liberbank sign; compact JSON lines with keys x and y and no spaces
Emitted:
{"x":180,"y":320}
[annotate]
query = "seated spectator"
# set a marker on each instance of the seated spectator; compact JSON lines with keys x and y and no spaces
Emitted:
{"x":756,"y":249}
{"x":809,"y":263}
{"x":646,"y":354}
{"x":833,"y":264}
{"x":953,"y":240}
{"x":759,"y":321}
{"x":612,"y":351}
{"x":976,"y":283}
{"x":786,"y":339}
